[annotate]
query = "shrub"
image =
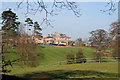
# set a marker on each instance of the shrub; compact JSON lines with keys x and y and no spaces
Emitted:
{"x":80,"y":58}
{"x":70,"y":57}
{"x":75,"y":58}
{"x":83,"y":45}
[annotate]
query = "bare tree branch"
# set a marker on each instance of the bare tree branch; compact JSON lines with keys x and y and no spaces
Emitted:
{"x":41,"y":6}
{"x":111,"y":7}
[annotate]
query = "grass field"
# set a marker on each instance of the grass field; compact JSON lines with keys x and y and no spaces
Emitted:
{"x":50,"y":56}
{"x":53,"y":55}
{"x":87,"y":70}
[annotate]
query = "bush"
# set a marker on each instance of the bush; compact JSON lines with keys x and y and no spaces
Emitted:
{"x":70,"y":58}
{"x":83,"y":45}
{"x":80,"y":58}
{"x":75,"y":58}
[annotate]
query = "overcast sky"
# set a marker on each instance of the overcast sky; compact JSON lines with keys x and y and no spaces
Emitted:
{"x":67,"y":23}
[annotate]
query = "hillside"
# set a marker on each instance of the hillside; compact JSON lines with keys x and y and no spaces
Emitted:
{"x":53,"y":55}
{"x":50,"y":56}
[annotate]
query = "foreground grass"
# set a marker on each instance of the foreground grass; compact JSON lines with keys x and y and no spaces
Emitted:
{"x":87,"y":70}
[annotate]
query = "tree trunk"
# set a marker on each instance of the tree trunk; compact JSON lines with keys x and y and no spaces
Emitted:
{"x":27,"y":58}
{"x":26,"y":55}
{"x":100,"y":60}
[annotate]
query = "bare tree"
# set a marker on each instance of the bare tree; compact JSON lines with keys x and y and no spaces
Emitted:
{"x":42,"y":6}
{"x":79,"y":41}
{"x":110,"y":7}
{"x":50,"y":9}
{"x":26,"y":47}
{"x":114,"y":31}
{"x":99,"y":39}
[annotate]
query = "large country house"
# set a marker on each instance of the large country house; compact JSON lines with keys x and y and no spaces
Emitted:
{"x":55,"y":38}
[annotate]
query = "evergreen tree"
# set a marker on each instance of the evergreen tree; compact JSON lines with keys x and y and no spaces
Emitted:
{"x":9,"y":21}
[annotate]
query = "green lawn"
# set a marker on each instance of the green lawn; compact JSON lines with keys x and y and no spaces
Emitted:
{"x":50,"y":56}
{"x":12,"y":54}
{"x":53,"y":55}
{"x":87,"y":70}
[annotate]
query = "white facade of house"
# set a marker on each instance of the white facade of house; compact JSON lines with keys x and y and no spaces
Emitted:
{"x":55,"y":38}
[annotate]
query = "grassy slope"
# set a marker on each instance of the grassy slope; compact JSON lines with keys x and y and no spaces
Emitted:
{"x":12,"y":54}
{"x":53,"y":55}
